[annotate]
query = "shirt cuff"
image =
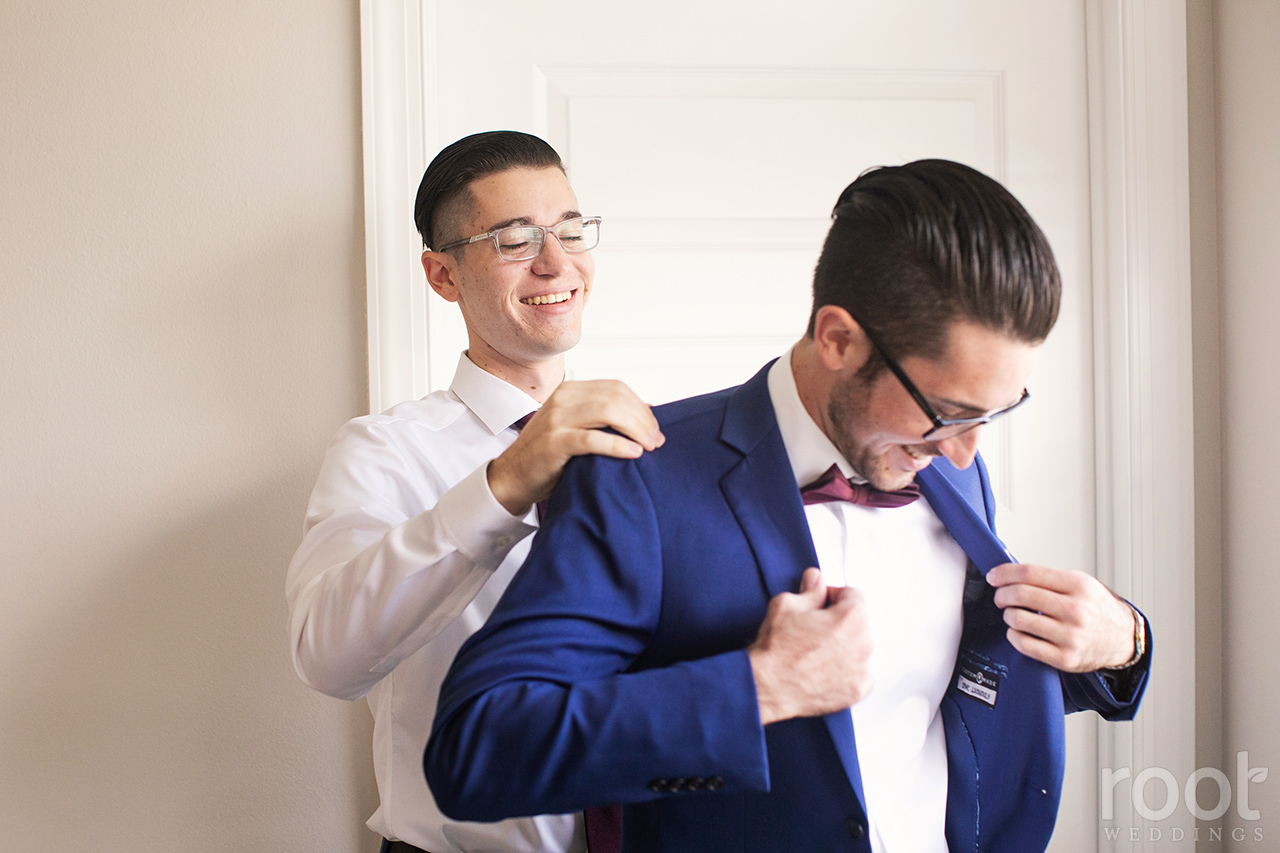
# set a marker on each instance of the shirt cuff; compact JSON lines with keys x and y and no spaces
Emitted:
{"x":479,"y":526}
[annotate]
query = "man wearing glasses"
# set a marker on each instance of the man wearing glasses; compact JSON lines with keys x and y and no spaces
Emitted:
{"x":421,"y":515}
{"x":671,"y":645}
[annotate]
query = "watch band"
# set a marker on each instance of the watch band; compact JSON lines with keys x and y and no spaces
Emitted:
{"x":1139,"y":639}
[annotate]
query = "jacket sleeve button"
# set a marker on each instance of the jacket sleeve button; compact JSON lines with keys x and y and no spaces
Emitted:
{"x":857,"y":829}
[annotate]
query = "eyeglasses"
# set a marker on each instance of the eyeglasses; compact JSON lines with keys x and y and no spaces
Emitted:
{"x":522,"y":242}
{"x":943,"y":428}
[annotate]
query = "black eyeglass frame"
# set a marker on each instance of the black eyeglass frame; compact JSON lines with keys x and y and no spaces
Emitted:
{"x":939,"y":423}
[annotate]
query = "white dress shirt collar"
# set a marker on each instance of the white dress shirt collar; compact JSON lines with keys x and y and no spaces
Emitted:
{"x":497,"y":403}
{"x":810,"y":451}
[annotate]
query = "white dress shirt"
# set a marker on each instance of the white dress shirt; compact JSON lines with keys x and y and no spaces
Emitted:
{"x":405,"y":552}
{"x":911,"y":574}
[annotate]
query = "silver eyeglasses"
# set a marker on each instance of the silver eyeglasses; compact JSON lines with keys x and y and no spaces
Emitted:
{"x":522,"y":242}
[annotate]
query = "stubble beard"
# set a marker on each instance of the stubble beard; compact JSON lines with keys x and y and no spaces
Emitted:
{"x":847,"y":413}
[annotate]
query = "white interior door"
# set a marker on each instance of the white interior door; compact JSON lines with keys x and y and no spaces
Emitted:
{"x":714,"y":138}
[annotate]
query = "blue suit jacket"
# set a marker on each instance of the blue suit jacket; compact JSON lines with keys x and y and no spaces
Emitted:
{"x":614,"y":669}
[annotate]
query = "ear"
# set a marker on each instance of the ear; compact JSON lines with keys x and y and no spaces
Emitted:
{"x":440,"y":269}
{"x":841,"y":344}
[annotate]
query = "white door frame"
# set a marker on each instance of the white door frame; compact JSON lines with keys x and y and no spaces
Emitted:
{"x":1137,"y":67}
{"x":1140,"y":184}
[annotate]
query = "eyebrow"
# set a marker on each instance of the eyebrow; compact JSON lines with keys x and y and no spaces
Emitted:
{"x":524,"y":220}
{"x":964,"y":407}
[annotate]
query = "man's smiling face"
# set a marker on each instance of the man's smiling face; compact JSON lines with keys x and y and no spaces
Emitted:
{"x":878,"y":427}
{"x":518,"y":312}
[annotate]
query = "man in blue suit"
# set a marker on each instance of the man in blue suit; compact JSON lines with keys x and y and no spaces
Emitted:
{"x":672,"y":645}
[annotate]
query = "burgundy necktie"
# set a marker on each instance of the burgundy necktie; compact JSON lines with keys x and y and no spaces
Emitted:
{"x":604,"y":829}
{"x":519,"y":425}
{"x":603,"y":823}
{"x":835,"y":486}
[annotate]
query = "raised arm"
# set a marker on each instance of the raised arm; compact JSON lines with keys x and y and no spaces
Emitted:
{"x":396,"y":546}
{"x":389,"y":557}
{"x":551,"y":706}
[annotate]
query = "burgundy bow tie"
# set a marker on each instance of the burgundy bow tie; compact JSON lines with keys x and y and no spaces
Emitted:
{"x":835,"y":486}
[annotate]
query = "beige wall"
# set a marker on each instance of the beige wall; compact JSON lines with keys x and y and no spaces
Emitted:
{"x":1206,"y":381}
{"x":181,"y":331}
{"x":1247,"y":33}
{"x":1235,"y":184}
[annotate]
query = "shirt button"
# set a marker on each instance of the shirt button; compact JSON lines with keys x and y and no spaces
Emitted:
{"x":857,"y":829}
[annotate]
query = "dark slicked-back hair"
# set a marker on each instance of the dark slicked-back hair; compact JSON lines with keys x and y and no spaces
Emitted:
{"x":913,"y":248}
{"x":467,"y":160}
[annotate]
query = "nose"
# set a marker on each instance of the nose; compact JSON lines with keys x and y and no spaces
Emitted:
{"x":961,"y":449}
{"x":553,"y":260}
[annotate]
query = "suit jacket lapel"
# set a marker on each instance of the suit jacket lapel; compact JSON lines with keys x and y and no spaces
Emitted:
{"x":941,"y":485}
{"x":762,"y":493}
{"x":761,"y":488}
{"x":1020,"y":733}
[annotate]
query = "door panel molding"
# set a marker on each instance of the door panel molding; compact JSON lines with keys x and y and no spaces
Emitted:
{"x":560,"y":86}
